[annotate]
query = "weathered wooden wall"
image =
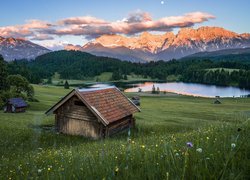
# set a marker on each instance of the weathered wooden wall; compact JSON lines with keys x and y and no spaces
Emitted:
{"x":75,"y":118}
{"x":120,"y":125}
{"x":22,"y":109}
{"x":9,"y":109}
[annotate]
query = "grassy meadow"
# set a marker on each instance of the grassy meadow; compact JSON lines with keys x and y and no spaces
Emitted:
{"x":103,"y":77}
{"x":157,"y":148}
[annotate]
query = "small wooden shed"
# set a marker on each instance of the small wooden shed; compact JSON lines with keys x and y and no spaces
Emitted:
{"x":95,"y":113}
{"x":15,"y":105}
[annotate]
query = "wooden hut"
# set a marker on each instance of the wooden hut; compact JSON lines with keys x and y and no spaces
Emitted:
{"x":136,"y":100}
{"x":15,"y":105}
{"x":217,"y":101}
{"x":95,"y":113}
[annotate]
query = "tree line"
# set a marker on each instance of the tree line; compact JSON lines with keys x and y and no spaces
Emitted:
{"x":80,"y":65}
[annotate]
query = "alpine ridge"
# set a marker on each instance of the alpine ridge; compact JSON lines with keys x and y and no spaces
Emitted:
{"x":151,"y":47}
{"x":16,"y":48}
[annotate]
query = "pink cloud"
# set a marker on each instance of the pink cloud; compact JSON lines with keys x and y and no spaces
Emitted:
{"x":135,"y":23}
{"x":91,"y":27}
{"x":138,"y":16}
{"x":25,"y":30}
{"x":81,"y":21}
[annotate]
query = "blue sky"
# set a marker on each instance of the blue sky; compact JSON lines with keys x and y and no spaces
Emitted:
{"x":229,"y":14}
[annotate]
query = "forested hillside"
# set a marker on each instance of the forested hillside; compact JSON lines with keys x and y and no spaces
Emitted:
{"x":80,"y":65}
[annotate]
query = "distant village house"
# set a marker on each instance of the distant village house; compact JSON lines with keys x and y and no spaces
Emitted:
{"x":15,"y":105}
{"x":95,"y":113}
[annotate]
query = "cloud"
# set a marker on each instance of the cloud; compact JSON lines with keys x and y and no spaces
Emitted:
{"x":81,"y":21}
{"x":92,"y":27}
{"x":138,"y":16}
{"x":25,"y":30}
{"x":41,"y":37}
{"x":135,"y":23}
{"x":54,"y":45}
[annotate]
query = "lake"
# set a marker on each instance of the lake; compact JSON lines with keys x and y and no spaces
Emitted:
{"x":190,"y":89}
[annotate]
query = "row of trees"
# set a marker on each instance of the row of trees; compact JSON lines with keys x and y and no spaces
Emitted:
{"x":13,"y":85}
{"x":220,"y":77}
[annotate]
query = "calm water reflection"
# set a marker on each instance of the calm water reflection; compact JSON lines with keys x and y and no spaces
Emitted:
{"x":191,"y":89}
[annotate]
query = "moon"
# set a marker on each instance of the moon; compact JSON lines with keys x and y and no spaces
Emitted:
{"x":162,"y":2}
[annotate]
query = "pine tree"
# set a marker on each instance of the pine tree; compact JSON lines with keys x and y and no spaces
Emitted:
{"x":153,"y":90}
{"x":3,"y":74}
{"x":66,"y":85}
{"x":49,"y":81}
{"x":125,"y":77}
{"x":158,"y":90}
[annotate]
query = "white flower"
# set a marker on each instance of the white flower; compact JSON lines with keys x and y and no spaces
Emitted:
{"x":39,"y":170}
{"x":199,"y":150}
{"x":233,"y":145}
{"x":177,"y":154}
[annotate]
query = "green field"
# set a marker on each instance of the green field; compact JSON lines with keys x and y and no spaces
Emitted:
{"x":155,"y":149}
{"x":103,"y":77}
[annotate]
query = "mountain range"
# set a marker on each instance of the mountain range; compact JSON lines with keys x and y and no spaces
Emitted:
{"x":143,"y":48}
{"x":152,"y":47}
{"x":15,"y":48}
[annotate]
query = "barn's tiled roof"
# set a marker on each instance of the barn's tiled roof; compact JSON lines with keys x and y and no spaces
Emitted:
{"x":17,"y":102}
{"x":109,"y":102}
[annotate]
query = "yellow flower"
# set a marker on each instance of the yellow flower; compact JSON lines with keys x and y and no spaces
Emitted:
{"x":116,"y":169}
{"x":49,"y":169}
{"x":143,"y":146}
{"x":207,"y":138}
{"x":156,"y":145}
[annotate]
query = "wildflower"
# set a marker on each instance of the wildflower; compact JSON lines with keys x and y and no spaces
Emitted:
{"x":39,"y":170}
{"x":177,"y":154}
{"x":190,"y":144}
{"x":207,"y":138}
{"x":156,"y":145}
{"x":143,"y":146}
{"x":199,"y":150}
{"x":133,"y":142}
{"x":49,"y":168}
{"x":116,"y":170}
{"x":207,"y":158}
{"x":233,"y":145}
{"x":167,"y":175}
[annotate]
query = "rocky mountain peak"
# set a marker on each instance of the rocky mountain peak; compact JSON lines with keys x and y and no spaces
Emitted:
{"x":17,"y":48}
{"x":166,"y":46}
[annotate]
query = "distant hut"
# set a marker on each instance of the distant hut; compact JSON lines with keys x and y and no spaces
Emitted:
{"x":136,"y":100}
{"x":15,"y":105}
{"x":95,"y":113}
{"x":217,"y":101}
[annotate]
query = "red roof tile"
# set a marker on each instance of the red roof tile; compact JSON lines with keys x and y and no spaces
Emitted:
{"x":109,"y":102}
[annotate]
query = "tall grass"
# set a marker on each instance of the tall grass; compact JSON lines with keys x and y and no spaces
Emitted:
{"x":156,"y":149}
